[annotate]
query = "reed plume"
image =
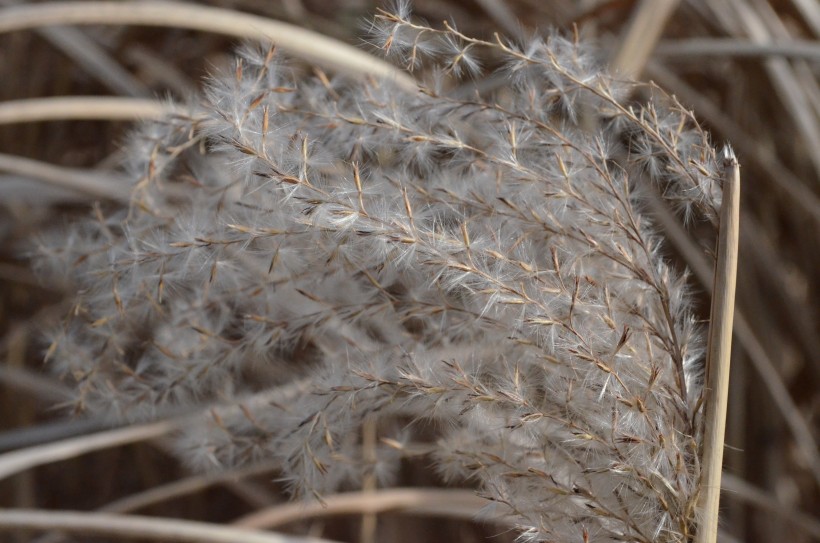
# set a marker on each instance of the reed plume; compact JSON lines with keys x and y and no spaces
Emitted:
{"x":303,"y":254}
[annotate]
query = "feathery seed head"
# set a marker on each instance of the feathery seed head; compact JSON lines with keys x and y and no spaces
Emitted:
{"x":302,"y":255}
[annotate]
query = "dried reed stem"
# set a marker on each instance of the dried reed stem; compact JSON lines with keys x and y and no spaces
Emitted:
{"x":716,"y":392}
{"x":93,"y":58}
{"x":183,"y":487}
{"x":451,"y":503}
{"x":298,"y":41}
{"x":23,"y":459}
{"x":696,"y":48}
{"x":746,"y":337}
{"x":744,"y":492}
{"x":85,"y":108}
{"x":792,"y":94}
{"x":83,"y":181}
{"x":20,"y":460}
{"x":642,"y":34}
{"x":144,"y":528}
{"x":367,"y":528}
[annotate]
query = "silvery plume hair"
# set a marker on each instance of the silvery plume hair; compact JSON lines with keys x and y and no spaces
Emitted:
{"x":302,"y":255}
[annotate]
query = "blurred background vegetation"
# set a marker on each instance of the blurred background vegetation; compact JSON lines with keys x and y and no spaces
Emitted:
{"x":750,"y":69}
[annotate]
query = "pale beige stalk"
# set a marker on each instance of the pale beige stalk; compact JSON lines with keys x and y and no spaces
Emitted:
{"x":300,"y":42}
{"x":642,"y":34}
{"x":97,"y":108}
{"x":716,"y":392}
{"x":134,"y":526}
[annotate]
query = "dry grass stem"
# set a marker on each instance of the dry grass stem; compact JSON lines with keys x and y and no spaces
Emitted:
{"x":92,"y":58}
{"x":784,"y":80}
{"x":63,"y":108}
{"x":137,"y":527}
{"x":353,"y":282}
{"x":367,"y":529}
{"x":48,"y":432}
{"x":23,"y":459}
{"x":810,"y":11}
{"x":462,"y":504}
{"x":300,"y":42}
{"x":734,"y":487}
{"x":87,"y":182}
{"x":50,"y":390}
{"x":719,"y":350}
{"x":747,"y":339}
{"x":787,"y":183}
{"x":696,"y":48}
{"x":648,"y":21}
{"x":182,"y":487}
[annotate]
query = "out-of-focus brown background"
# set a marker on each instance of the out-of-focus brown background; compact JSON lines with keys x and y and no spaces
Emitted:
{"x":750,"y":69}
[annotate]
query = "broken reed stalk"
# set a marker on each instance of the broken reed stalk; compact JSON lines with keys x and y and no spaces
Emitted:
{"x":719,"y":351}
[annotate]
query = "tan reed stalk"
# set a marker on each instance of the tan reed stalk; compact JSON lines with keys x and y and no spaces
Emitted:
{"x":82,"y":181}
{"x":719,"y":350}
{"x":642,"y":34}
{"x":439,"y":502}
{"x":134,"y":526}
{"x":367,"y":529}
{"x":300,"y":42}
{"x":97,"y":108}
{"x":12,"y":463}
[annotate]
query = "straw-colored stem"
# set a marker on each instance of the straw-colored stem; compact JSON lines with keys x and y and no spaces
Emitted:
{"x":697,"y":48}
{"x":757,"y":356}
{"x":450,"y":503}
{"x":183,"y":487}
{"x":93,"y":58}
{"x":642,"y":34}
{"x":737,"y":489}
{"x":85,"y":108}
{"x":719,"y":350}
{"x":367,"y":529}
{"x":755,"y":153}
{"x":143,"y":528}
{"x":17,"y":461}
{"x":783,"y":78}
{"x":83,"y":181}
{"x":23,"y":459}
{"x":301,"y":42}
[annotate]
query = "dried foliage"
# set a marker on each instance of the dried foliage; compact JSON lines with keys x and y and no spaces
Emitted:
{"x":470,"y":272}
{"x":483,"y":264}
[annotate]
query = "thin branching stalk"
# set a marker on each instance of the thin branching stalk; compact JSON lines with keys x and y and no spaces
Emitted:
{"x":783,"y":181}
